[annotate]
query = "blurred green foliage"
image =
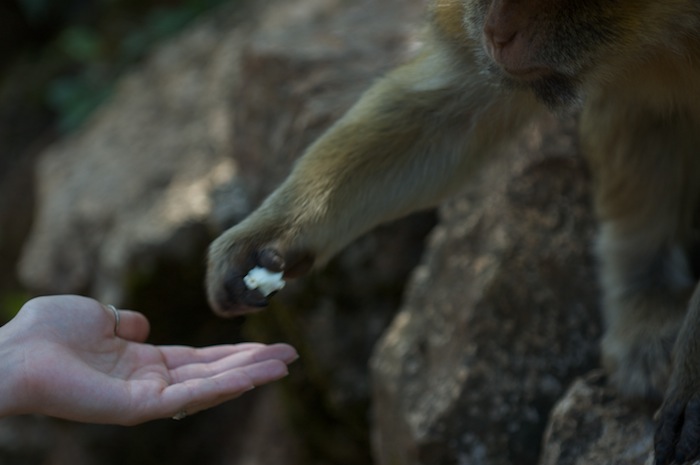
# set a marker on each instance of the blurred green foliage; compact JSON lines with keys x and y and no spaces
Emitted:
{"x":86,"y":45}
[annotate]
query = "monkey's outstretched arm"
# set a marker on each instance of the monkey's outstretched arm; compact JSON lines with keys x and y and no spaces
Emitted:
{"x":408,"y":142}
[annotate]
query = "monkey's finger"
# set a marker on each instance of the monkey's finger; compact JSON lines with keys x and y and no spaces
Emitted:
{"x":271,"y":259}
{"x":293,"y":264}
{"x":238,"y":296}
{"x":667,"y":430}
{"x":688,"y":447}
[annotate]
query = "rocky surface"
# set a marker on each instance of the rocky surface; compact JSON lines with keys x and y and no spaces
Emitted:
{"x":590,"y":424}
{"x":498,"y":319}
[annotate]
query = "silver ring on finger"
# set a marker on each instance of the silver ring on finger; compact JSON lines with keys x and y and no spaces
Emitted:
{"x":117,"y":319}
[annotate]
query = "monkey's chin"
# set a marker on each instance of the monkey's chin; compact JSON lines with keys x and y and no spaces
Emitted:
{"x":557,"y":91}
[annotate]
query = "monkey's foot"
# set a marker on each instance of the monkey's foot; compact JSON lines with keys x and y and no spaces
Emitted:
{"x":677,"y":438}
{"x":640,"y":370}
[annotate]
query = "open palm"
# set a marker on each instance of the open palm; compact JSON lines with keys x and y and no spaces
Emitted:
{"x":68,"y":363}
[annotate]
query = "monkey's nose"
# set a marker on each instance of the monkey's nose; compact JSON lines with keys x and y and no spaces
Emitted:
{"x":508,"y":48}
{"x":501,"y":27}
{"x":498,"y":39}
{"x":507,"y":40}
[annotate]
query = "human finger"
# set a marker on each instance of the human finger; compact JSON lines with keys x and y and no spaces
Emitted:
{"x":194,"y":395}
{"x":259,"y":374}
{"x":132,"y":326}
{"x":282,"y":352}
{"x":176,"y":356}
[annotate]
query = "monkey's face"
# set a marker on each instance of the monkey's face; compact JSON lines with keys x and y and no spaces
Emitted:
{"x":549,"y":46}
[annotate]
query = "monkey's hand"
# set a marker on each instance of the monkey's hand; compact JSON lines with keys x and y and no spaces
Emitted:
{"x":232,"y":257}
{"x":677,"y":438}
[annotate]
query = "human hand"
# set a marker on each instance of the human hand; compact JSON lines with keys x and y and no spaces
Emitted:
{"x":62,"y":359}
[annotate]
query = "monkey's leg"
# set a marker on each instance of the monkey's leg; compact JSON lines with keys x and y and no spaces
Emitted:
{"x":645,"y":296}
{"x":411,"y":140}
{"x":643,"y":165}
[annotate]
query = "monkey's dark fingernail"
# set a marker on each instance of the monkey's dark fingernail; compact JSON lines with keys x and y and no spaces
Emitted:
{"x":271,"y":259}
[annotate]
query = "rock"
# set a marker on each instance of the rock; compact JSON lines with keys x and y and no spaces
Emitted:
{"x":137,"y":181}
{"x":499,"y":318}
{"x":334,"y":319}
{"x":591,"y":424}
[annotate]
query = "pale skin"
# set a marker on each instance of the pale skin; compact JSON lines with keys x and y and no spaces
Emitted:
{"x":62,"y":358}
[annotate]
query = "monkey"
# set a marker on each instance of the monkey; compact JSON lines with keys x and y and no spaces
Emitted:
{"x":486,"y":68}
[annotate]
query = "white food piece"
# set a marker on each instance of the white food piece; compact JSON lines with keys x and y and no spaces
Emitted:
{"x":264,"y":280}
